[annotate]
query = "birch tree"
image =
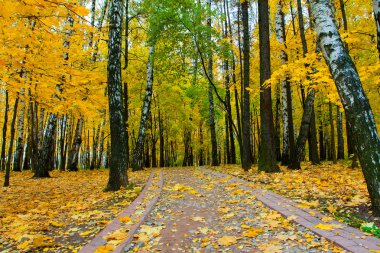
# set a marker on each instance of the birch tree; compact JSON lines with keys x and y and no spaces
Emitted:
{"x":355,"y":102}
{"x":118,"y":167}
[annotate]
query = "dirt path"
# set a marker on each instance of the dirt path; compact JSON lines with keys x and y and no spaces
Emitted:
{"x":201,"y":212}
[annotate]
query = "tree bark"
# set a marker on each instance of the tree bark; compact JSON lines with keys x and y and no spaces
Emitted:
{"x":376,"y":10}
{"x":44,"y":151}
{"x":267,"y":155}
{"x":354,"y":100}
{"x":295,"y":163}
{"x":3,"y":163}
{"x":10,"y":150}
{"x":339,"y":127}
{"x":118,"y":168}
{"x":72,"y":161}
{"x":246,"y":111}
{"x":287,"y":110}
{"x":17,"y":164}
{"x":138,"y":152}
{"x":332,"y":134}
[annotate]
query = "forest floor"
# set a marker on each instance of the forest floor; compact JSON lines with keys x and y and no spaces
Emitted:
{"x":199,"y":210}
{"x":333,"y":189}
{"x":61,"y":213}
{"x":203,"y":212}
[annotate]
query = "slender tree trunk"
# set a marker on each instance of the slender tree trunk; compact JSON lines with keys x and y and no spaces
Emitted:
{"x":20,"y":139}
{"x":95,"y":149}
{"x":3,"y":163}
{"x":332,"y":134}
{"x":287,"y":110}
{"x":267,"y":155}
{"x":322,"y":150}
{"x":295,"y":162}
{"x":277,"y":124}
{"x":10,"y":150}
{"x":354,"y":100}
{"x":118,"y":166}
{"x":201,"y":150}
{"x":376,"y":10}
{"x":162,"y":140}
{"x":44,"y":152}
{"x":101,"y":150}
{"x":246,"y":112}
{"x":138,"y":152}
{"x":72,"y":161}
{"x":339,"y":127}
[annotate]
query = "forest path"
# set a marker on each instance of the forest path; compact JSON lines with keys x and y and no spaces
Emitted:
{"x":204,"y":211}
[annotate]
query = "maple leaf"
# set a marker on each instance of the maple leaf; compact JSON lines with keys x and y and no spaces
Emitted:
{"x":227,"y":240}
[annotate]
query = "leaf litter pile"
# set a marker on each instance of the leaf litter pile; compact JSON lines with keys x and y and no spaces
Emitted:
{"x":198,"y":212}
{"x":334,"y":189}
{"x":61,"y":213}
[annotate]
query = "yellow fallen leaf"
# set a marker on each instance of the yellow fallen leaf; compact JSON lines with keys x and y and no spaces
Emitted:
{"x":105,"y":249}
{"x":198,"y":218}
{"x":227,"y":240}
{"x":125,"y":219}
{"x":253,"y":232}
{"x":328,"y":226}
{"x":85,"y":233}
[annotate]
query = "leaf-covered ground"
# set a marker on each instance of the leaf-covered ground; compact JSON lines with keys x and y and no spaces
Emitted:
{"x":199,"y":212}
{"x":61,"y":213}
{"x":335,"y":189}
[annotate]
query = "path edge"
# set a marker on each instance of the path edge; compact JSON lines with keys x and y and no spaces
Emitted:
{"x":115,"y":223}
{"x":144,"y":216}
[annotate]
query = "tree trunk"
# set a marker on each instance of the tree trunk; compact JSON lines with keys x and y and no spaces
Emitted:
{"x":118,"y":167}
{"x":246,"y":112}
{"x":138,"y":152}
{"x":332,"y":134}
{"x":287,"y":110}
{"x":3,"y":163}
{"x":10,"y":150}
{"x":44,"y":152}
{"x":267,"y":155}
{"x":354,"y":100}
{"x":201,"y":150}
{"x":162,"y":144}
{"x":95,"y":148}
{"x":72,"y":161}
{"x":101,"y":149}
{"x":295,"y":163}
{"x":376,"y":10}
{"x":322,"y":150}
{"x":20,"y":139}
{"x":126,"y":118}
{"x":339,"y":127}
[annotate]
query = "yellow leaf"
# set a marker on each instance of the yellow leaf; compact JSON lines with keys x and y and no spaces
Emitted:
{"x":125,"y":219}
{"x":328,"y":226}
{"x":227,"y":240}
{"x":253,"y":232}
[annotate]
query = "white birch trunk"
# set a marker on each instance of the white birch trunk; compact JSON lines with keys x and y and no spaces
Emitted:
{"x":354,"y":100}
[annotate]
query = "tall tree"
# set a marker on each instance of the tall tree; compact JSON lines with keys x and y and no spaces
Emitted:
{"x":354,"y":100}
{"x":44,"y":150}
{"x":267,"y":155}
{"x":118,"y":167}
{"x":10,"y":150}
{"x":19,"y":143}
{"x":376,"y":10}
{"x":2,"y":165}
{"x":137,"y":159}
{"x":288,"y":145}
{"x":246,"y":111}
